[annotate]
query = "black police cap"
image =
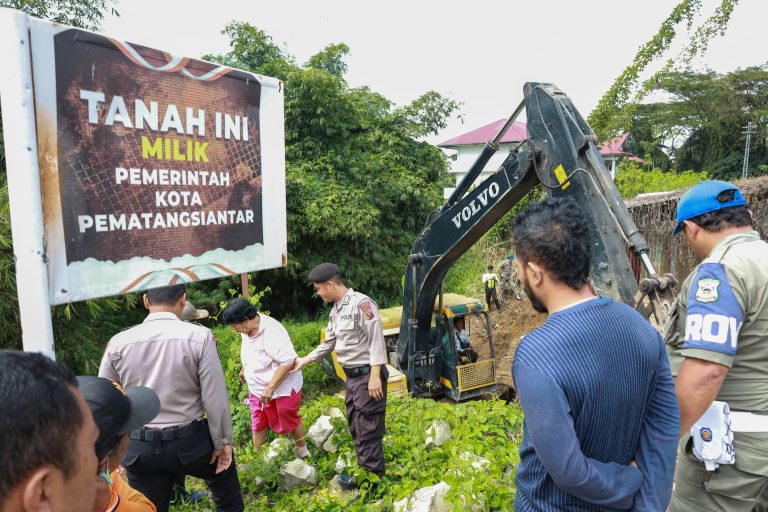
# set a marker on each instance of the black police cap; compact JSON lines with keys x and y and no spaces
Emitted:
{"x":323,"y":272}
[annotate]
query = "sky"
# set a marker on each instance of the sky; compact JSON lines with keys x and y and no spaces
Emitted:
{"x":479,"y":53}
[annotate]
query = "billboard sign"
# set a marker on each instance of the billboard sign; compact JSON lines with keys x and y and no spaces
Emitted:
{"x":154,"y":169}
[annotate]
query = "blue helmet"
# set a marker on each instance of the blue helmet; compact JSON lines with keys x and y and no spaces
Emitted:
{"x":703,"y":199}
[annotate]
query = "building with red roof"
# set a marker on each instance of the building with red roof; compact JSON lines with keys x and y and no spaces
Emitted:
{"x":469,"y":146}
{"x":613,"y":152}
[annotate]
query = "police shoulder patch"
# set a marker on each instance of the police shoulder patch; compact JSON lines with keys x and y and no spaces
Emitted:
{"x":367,"y":309}
{"x":706,"y":290}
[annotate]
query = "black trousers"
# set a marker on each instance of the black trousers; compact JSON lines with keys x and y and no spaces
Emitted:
{"x":365,"y":416}
{"x":153,"y":473}
{"x":490,"y":293}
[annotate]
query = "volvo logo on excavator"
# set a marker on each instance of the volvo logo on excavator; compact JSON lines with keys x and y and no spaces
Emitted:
{"x":476,"y":205}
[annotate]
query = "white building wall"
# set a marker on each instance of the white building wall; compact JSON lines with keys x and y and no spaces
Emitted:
{"x":467,"y":155}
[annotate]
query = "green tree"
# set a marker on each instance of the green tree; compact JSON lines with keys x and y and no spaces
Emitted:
{"x":359,"y":182}
{"x":612,"y":114}
{"x":699,"y":124}
{"x":86,"y":14}
{"x":330,"y":60}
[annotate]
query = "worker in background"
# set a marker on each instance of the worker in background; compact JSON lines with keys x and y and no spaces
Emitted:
{"x":491,"y":282}
{"x":180,"y":493}
{"x":191,"y":314}
{"x":717,"y":342}
{"x":267,"y":356}
{"x":508,"y":271}
{"x":48,"y":453}
{"x":117,"y":412}
{"x":192,"y":434}
{"x":599,"y":404}
{"x":354,"y":330}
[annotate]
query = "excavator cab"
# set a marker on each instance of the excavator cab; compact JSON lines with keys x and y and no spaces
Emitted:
{"x":443,"y":368}
{"x":465,"y":371}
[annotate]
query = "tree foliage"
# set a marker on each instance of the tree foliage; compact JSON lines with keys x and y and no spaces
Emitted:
{"x":699,"y":123}
{"x":359,"y":182}
{"x":613,"y":113}
{"x":632,"y":179}
{"x":86,"y":14}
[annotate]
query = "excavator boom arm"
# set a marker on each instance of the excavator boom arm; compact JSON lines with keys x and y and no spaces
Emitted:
{"x":560,"y":153}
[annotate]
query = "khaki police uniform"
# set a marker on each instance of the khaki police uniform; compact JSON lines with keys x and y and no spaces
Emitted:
{"x":727,"y":290}
{"x":354,"y":331}
{"x":178,"y":360}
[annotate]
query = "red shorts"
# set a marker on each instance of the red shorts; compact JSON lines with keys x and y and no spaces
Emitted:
{"x":281,"y":414}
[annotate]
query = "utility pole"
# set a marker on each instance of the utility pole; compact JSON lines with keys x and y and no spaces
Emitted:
{"x":748,"y":131}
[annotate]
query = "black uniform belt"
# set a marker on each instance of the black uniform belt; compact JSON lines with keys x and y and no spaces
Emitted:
{"x":357,"y":371}
{"x":168,"y":434}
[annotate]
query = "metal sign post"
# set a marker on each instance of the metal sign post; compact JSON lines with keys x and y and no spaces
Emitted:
{"x":16,"y":94}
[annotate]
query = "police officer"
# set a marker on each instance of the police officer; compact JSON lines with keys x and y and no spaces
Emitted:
{"x":178,"y":361}
{"x":354,"y":330}
{"x":716,"y":341}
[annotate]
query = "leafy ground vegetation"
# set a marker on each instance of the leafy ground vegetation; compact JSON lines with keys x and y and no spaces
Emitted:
{"x":488,"y":429}
{"x":360,"y":182}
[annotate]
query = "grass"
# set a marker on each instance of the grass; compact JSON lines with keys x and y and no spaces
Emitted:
{"x":488,"y":429}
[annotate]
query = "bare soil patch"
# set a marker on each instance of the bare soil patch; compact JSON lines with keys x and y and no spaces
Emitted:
{"x":515,"y":319}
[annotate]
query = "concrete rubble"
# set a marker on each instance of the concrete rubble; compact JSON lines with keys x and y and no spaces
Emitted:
{"x":426,"y":499}
{"x":437,"y":434}
{"x":278,"y":446}
{"x":298,"y":473}
{"x":320,"y":431}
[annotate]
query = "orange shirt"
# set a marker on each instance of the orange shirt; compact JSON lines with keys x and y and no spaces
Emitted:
{"x":124,"y":498}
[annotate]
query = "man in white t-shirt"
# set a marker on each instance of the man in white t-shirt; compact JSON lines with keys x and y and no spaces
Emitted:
{"x":267,"y":355}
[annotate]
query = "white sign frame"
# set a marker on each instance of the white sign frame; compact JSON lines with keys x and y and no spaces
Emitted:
{"x":44,"y":276}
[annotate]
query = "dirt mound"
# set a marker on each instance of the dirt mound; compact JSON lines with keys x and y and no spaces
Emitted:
{"x":515,"y":319}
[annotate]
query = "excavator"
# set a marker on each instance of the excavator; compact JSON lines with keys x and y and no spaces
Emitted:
{"x":561,"y":154}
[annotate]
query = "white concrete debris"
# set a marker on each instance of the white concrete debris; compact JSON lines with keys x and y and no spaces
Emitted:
{"x":477,"y":462}
{"x":426,"y":499}
{"x":438,"y":433}
{"x":343,"y":462}
{"x":298,"y":473}
{"x":278,"y":446}
{"x":320,"y":431}
{"x":432,"y":499}
{"x":334,"y":412}
{"x":330,"y":444}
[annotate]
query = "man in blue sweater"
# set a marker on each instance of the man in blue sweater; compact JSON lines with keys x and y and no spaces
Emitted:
{"x":601,"y":415}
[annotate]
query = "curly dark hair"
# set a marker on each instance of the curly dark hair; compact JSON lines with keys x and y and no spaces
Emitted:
{"x":237,"y":311}
{"x":554,"y":234}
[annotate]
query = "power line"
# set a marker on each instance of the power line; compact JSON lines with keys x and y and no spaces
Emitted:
{"x":748,"y":131}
